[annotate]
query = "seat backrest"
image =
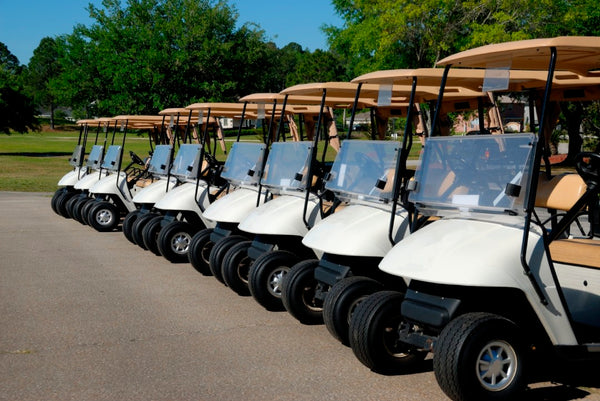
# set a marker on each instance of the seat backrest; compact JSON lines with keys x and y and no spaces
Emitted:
{"x":559,"y":192}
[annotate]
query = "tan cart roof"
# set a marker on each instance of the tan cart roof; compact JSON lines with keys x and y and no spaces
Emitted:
{"x":579,"y":54}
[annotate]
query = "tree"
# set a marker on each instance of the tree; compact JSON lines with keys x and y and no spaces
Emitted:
{"x":16,"y":108}
{"x":319,"y":66}
{"x":42,"y":71}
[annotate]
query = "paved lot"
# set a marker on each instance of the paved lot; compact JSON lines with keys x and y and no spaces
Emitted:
{"x":89,"y":316}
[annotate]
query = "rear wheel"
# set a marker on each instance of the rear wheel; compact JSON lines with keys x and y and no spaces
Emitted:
{"x":217,"y":253}
{"x":128,"y":224}
{"x":174,"y":241}
{"x":480,"y":356}
{"x":150,"y":234}
{"x":104,"y":216}
{"x":266,"y":275}
{"x":341,"y":302}
{"x":235,"y":268}
{"x":374,"y":335}
{"x":298,"y":293}
{"x":200,"y":251}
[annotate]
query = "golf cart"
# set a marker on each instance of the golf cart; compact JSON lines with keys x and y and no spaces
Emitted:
{"x":500,"y":294}
{"x":113,"y":193}
{"x":243,"y":170}
{"x":159,"y":167}
{"x":177,"y":215}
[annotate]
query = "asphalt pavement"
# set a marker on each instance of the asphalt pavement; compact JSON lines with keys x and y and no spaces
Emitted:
{"x":89,"y":316}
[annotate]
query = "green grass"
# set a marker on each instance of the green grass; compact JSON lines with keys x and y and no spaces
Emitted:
{"x":35,"y":162}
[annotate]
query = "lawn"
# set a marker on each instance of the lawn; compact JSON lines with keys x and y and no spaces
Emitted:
{"x":35,"y":162}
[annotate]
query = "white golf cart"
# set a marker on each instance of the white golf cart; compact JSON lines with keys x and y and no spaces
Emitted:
{"x":501,"y":295}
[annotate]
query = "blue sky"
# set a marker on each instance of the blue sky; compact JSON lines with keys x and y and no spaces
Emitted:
{"x":23,"y":23}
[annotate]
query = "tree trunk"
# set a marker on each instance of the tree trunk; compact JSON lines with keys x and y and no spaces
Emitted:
{"x":52,"y":116}
{"x":574,"y":117}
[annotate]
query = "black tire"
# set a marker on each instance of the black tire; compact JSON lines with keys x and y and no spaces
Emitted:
{"x":70,"y":204}
{"x":138,"y":227}
{"x":174,"y":241}
{"x":466,"y":345}
{"x":85,"y":210}
{"x":200,"y":251}
{"x":61,"y":204}
{"x":77,"y":208}
{"x":298,"y":293}
{"x":341,"y":302}
{"x":150,"y":234}
{"x":104,"y":216}
{"x":374,"y":335}
{"x":266,"y":275}
{"x":128,"y":225}
{"x":217,"y":253}
{"x":236,"y":267}
{"x":58,"y":193}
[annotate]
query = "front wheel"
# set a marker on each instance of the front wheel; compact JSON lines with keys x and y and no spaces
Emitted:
{"x":374,"y":335}
{"x":235,"y":268}
{"x":150,"y":234}
{"x":298,"y":293}
{"x":480,"y":356}
{"x":128,"y":224}
{"x":266,"y":275}
{"x":200,"y":251}
{"x":174,"y":241}
{"x":104,"y":216}
{"x":217,"y":253}
{"x":341,"y":302}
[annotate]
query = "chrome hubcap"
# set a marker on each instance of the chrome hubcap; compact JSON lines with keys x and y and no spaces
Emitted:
{"x":181,"y":243}
{"x":496,"y":365}
{"x":275,"y":280}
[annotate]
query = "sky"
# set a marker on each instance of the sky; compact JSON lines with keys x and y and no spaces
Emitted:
{"x":23,"y":23}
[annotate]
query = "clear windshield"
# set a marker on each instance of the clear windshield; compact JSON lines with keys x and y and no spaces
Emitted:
{"x":186,"y":162}
{"x":364,"y":170}
{"x":287,"y":165}
{"x":244,"y":163}
{"x":485,"y":173}
{"x":159,"y":163}
{"x":111,"y":158}
{"x":76,"y":157}
{"x":95,"y":157}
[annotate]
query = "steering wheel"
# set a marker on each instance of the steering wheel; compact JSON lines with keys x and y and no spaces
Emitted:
{"x":135,"y":158}
{"x":589,"y":171}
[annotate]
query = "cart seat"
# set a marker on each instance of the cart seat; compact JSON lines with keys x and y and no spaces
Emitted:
{"x":580,"y":251}
{"x":559,"y":192}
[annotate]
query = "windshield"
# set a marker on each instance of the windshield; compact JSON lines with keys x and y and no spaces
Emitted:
{"x":473,"y":173}
{"x":159,"y":163}
{"x":364,"y":170}
{"x":111,"y":159}
{"x":186,"y":161}
{"x":75,"y":159}
{"x":95,"y":156}
{"x":244,"y":163}
{"x":287,"y":165}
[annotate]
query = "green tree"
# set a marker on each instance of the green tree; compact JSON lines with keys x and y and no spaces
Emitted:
{"x":318,"y":66}
{"x":42,"y":71}
{"x":16,"y":108}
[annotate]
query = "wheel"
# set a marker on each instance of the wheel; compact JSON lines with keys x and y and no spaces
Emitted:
{"x":200,"y":251}
{"x":373,"y":335}
{"x":150,"y":234}
{"x":217,"y":253}
{"x":70,"y":204}
{"x":174,"y":241}
{"x":77,"y":208}
{"x":104,"y":216}
{"x":58,"y":193}
{"x":298,"y":293}
{"x":266,"y":275}
{"x":138,"y":227}
{"x":341,"y":302}
{"x":235,"y":268}
{"x":61,"y":203}
{"x":480,"y":356}
{"x":85,"y":210}
{"x":128,"y":225}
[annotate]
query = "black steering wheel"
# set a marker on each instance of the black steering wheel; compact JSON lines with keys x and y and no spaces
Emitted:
{"x":588,"y":170}
{"x":135,"y":158}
